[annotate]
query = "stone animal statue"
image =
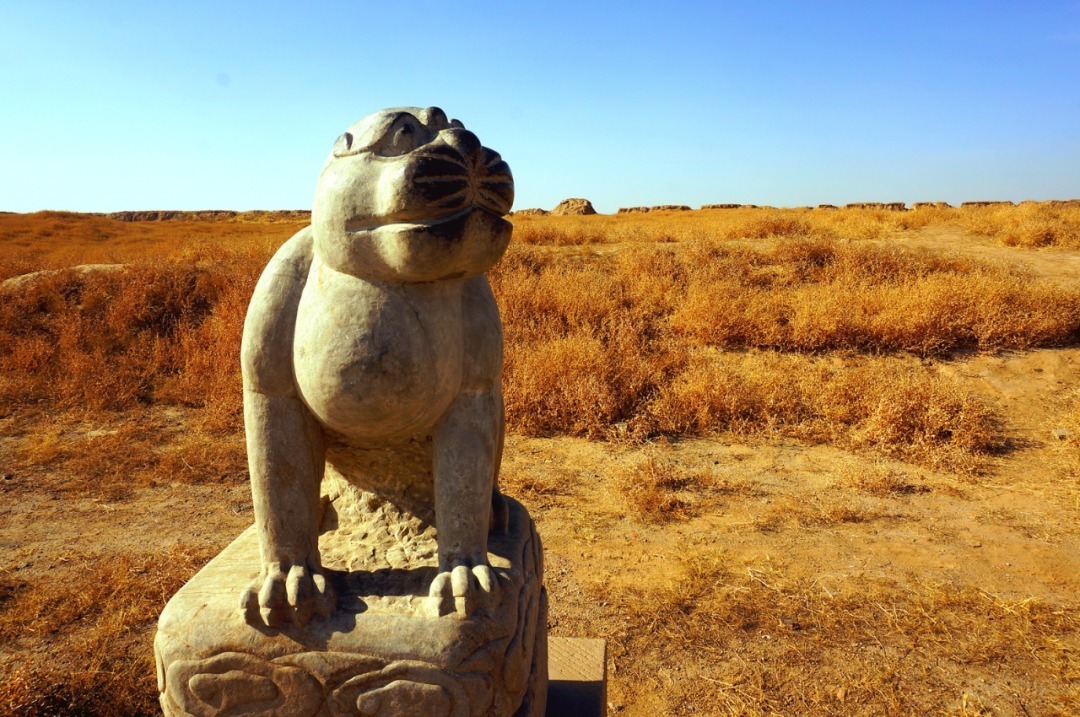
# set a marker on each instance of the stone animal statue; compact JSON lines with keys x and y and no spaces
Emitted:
{"x":372,"y":354}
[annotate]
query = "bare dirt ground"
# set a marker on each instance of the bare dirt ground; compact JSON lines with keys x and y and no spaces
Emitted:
{"x":772,"y":515}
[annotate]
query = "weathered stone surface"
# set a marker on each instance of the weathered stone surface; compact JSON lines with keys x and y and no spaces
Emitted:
{"x":722,"y":206}
{"x":968,"y":205}
{"x":931,"y":205}
{"x":634,"y":210}
{"x":670,"y":208}
{"x":529,"y":213}
{"x":826,"y":206}
{"x":573,"y":207}
{"x":389,"y":569}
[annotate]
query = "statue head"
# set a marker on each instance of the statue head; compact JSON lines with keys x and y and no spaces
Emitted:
{"x":408,"y":195}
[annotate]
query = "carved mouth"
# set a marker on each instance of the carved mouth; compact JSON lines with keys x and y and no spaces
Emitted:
{"x":412,"y":223}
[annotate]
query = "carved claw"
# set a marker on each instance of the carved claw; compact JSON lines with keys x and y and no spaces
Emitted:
{"x":467,"y":586}
{"x":288,"y":597}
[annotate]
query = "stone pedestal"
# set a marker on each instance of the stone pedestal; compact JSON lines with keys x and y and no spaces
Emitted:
{"x":577,"y":677}
{"x":388,"y":650}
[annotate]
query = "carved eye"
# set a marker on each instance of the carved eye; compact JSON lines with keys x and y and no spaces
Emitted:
{"x":404,"y":136}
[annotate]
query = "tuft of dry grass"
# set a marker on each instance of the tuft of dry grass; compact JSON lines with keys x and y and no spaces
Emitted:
{"x":753,"y":642}
{"x":96,"y":618}
{"x":880,"y":479}
{"x":657,"y":489}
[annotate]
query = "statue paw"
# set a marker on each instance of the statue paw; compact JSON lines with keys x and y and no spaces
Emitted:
{"x":465,"y":587}
{"x":287,"y":594}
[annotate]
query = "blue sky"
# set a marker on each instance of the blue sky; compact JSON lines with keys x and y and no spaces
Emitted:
{"x":138,"y":105}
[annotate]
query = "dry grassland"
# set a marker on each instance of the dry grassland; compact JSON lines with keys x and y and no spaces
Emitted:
{"x":1031,"y":224}
{"x":652,"y":362}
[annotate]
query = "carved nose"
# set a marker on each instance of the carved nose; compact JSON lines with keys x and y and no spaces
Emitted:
{"x":457,"y":170}
{"x":490,"y":183}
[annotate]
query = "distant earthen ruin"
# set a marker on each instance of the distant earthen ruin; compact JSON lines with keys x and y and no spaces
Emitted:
{"x":573,"y":207}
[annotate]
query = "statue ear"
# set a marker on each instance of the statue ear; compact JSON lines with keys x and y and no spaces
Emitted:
{"x":434,"y":118}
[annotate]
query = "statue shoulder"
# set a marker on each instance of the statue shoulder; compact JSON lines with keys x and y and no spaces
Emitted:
{"x":271,"y":316}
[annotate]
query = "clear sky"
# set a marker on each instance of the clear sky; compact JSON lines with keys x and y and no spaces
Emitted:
{"x":235,"y":105}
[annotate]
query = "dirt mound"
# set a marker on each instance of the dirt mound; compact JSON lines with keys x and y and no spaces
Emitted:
{"x":24,"y":280}
{"x":890,"y":206}
{"x":573,"y":207}
{"x":529,"y":213}
{"x":275,"y":215}
{"x":170,"y":215}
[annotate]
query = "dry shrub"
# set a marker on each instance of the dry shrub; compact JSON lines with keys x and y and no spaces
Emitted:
{"x":762,"y":225}
{"x":167,"y":334}
{"x":888,"y":405}
{"x":554,"y":233}
{"x":97,"y":617}
{"x":581,"y":349}
{"x":657,"y":489}
{"x":879,"y":479}
{"x":757,"y":643}
{"x":539,"y":485}
{"x":1027,"y":225}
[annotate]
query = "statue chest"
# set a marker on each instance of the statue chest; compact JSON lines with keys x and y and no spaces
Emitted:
{"x":373,"y":360}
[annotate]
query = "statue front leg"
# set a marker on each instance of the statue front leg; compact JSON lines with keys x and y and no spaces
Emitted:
{"x":286,"y":460}
{"x":466,"y":447}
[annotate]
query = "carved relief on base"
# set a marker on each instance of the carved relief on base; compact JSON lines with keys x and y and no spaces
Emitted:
{"x":234,"y":683}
